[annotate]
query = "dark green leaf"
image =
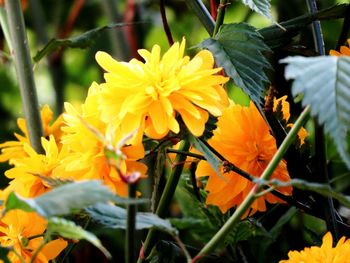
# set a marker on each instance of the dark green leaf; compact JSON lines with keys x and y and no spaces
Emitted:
{"x":4,"y":251}
{"x":68,"y":229}
{"x":115,"y":217}
{"x":275,"y":36}
{"x":84,"y":40}
{"x":209,"y":156}
{"x":260,"y":6}
{"x":239,"y":48}
{"x":64,"y":199}
{"x":325,"y":84}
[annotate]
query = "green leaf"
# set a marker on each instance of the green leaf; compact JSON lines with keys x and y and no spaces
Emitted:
{"x":325,"y":84}
{"x":322,"y":189}
{"x":4,"y":251}
{"x":275,"y":36}
{"x":260,"y":6}
{"x":239,"y":48}
{"x":62,"y":200}
{"x":84,"y":40}
{"x":208,"y":154}
{"x":68,"y":229}
{"x":115,"y":217}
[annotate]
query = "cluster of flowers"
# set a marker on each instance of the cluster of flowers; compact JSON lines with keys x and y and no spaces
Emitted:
{"x":138,"y":99}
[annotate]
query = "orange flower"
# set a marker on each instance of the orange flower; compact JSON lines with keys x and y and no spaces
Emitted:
{"x":22,"y":231}
{"x":281,"y":105}
{"x":324,"y":254}
{"x":89,"y":142}
{"x":244,"y":139}
{"x":15,"y":149}
{"x":148,"y":95}
{"x":344,"y":51}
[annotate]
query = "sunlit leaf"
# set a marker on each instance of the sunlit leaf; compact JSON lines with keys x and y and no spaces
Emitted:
{"x":68,"y":229}
{"x":325,"y":84}
{"x":62,"y":200}
{"x":260,"y":6}
{"x":239,"y":48}
{"x":84,"y":40}
{"x":115,"y":217}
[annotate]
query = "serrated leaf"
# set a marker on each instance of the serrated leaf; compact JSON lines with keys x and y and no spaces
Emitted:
{"x":239,"y":48}
{"x":325,"y":84}
{"x":260,"y":6}
{"x":81,"y":41}
{"x":115,"y":217}
{"x":68,"y":229}
{"x":208,"y":154}
{"x":62,"y":200}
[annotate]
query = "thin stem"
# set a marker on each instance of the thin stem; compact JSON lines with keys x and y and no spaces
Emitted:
{"x":345,"y":30}
{"x":250,"y":198}
{"x":21,"y":259}
{"x":221,"y":15}
{"x":167,"y":196}
{"x":195,"y":155}
{"x":5,"y":27}
{"x":213,"y":9}
{"x":130,"y":226}
{"x":25,"y":73}
{"x":320,"y":145}
{"x":203,"y":14}
{"x":165,"y":23}
{"x":39,"y":248}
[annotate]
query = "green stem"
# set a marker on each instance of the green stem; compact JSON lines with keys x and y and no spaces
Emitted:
{"x":250,"y":198}
{"x":24,"y":70}
{"x":5,"y":27}
{"x":167,"y":195}
{"x":320,"y":145}
{"x":130,"y":227}
{"x":221,"y":15}
{"x":203,"y":14}
{"x":39,"y":248}
{"x":21,"y":259}
{"x":194,"y":155}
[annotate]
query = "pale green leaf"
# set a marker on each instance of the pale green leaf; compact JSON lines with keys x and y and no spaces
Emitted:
{"x":68,"y":229}
{"x":260,"y":6}
{"x":62,"y":200}
{"x":239,"y":48}
{"x":325,"y":84}
{"x":115,"y":217}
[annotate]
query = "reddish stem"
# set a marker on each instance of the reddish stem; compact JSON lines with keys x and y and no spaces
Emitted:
{"x":130,"y":31}
{"x":213,"y":9}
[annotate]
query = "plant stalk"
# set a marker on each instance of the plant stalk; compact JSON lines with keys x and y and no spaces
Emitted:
{"x":250,"y":198}
{"x":24,"y":71}
{"x":320,"y":145}
{"x":130,"y":227}
{"x":165,"y":23}
{"x":167,"y":196}
{"x":5,"y":27}
{"x":203,"y":14}
{"x":220,"y":17}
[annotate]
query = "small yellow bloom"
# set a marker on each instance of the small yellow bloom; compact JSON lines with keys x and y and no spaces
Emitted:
{"x":150,"y":94}
{"x":15,"y":149}
{"x":16,"y":229}
{"x":88,"y":138}
{"x":324,"y":254}
{"x":244,"y":139}
{"x":344,"y":51}
{"x":28,"y":169}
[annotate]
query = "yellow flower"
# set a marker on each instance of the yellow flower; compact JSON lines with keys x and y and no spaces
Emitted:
{"x":16,"y":229}
{"x":324,"y":254}
{"x":344,"y":51}
{"x":26,"y":171}
{"x":282,"y":105}
{"x":15,"y":149}
{"x":244,"y":139}
{"x":88,"y":138}
{"x":149,"y":94}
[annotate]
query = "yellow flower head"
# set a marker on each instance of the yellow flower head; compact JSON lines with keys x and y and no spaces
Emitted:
{"x":87,"y":138}
{"x":324,"y":254}
{"x":244,"y":139}
{"x":28,"y":169}
{"x":15,"y":149}
{"x":149,"y":94}
{"x":16,"y":229}
{"x":344,"y":51}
